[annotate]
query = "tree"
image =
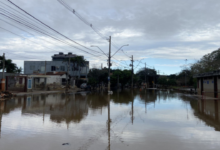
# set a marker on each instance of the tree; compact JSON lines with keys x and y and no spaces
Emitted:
{"x":207,"y":63}
{"x":123,"y":75}
{"x":97,"y":76}
{"x":151,"y":75}
{"x":10,"y":67}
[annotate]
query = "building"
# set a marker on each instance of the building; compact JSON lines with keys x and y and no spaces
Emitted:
{"x":58,"y":64}
{"x":36,"y":82}
{"x":208,"y":84}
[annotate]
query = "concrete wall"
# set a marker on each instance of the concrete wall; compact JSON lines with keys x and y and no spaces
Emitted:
{"x":8,"y":74}
{"x":39,"y":66}
{"x":199,"y":87}
{"x":218,"y":86}
{"x":208,"y":85}
{"x":53,"y":82}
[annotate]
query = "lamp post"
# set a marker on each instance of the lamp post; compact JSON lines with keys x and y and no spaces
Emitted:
{"x":185,"y":72}
{"x":100,"y":50}
{"x":109,"y":58}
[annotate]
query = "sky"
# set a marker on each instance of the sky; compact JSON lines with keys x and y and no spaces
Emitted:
{"x":160,"y":33}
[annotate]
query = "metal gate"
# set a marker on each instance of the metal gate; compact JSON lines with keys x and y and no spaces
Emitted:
{"x":16,"y":83}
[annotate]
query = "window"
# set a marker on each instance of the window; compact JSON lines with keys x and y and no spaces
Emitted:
{"x":53,"y":68}
{"x":62,"y":68}
{"x":32,"y":67}
{"x":42,"y":68}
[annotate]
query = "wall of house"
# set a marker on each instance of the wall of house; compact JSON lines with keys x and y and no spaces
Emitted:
{"x":218,"y":86}
{"x":198,"y":86}
{"x":31,"y":67}
{"x":8,"y":74}
{"x":208,"y":85}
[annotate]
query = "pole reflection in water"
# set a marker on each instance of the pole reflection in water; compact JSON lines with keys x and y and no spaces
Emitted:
{"x":119,"y":121}
{"x":109,"y":123}
{"x":132,"y":108}
{"x":1,"y":111}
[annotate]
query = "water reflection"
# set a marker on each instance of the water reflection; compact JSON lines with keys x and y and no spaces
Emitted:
{"x":127,"y":118}
{"x":1,"y":112}
{"x":208,"y":111}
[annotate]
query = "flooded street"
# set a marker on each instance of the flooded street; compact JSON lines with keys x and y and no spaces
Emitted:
{"x":154,"y":120}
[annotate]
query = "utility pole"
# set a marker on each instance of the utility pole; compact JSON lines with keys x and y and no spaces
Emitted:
{"x":67,"y":74}
{"x":3,"y":68}
{"x":145,"y":76}
{"x":132,"y":71}
{"x":45,"y":68}
{"x":185,"y":72}
{"x":118,"y":82}
{"x":109,"y":63}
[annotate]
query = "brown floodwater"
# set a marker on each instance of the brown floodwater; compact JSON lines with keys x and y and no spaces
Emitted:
{"x":125,"y":120}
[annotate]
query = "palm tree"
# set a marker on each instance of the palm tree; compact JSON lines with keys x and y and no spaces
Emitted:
{"x":9,"y":66}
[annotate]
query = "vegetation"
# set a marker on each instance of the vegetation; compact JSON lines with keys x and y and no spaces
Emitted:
{"x":207,"y":63}
{"x":149,"y":74}
{"x":10,"y":67}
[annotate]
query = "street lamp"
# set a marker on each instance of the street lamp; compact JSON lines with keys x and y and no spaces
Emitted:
{"x":185,"y":72}
{"x":109,"y":58}
{"x":100,"y":49}
{"x":119,"y":49}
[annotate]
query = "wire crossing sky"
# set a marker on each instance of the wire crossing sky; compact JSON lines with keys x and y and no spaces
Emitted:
{"x":161,"y":33}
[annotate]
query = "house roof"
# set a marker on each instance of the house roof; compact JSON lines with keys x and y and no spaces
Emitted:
{"x":208,"y":74}
{"x":56,"y":73}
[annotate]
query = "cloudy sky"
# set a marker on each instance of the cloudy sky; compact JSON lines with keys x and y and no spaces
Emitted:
{"x":162,"y":33}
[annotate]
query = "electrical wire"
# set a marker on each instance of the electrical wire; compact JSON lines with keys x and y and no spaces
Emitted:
{"x":55,"y":31}
{"x":82,"y":19}
{"x":86,"y":22}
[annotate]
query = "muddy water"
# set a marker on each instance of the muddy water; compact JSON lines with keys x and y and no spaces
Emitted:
{"x":128,"y":120}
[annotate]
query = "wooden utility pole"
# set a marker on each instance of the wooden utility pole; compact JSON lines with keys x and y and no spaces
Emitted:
{"x":118,"y":82}
{"x":132,"y":71}
{"x":3,"y":68}
{"x":45,"y":70}
{"x":109,"y":63}
{"x":145,"y":76}
{"x":67,"y":74}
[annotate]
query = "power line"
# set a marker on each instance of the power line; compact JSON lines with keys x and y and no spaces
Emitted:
{"x":26,"y":39}
{"x":85,"y":21}
{"x":82,"y":19}
{"x":31,"y":34}
{"x":55,"y":31}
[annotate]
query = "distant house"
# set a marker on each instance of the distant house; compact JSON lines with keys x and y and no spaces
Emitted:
{"x":52,"y":80}
{"x":208,"y":84}
{"x":58,"y":64}
{"x":36,"y":82}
